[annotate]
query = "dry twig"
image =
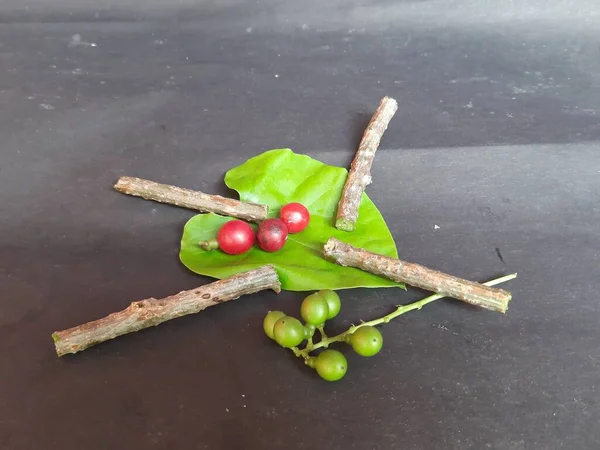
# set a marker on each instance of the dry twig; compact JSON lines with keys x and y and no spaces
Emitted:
{"x":186,"y":198}
{"x":360,"y":171}
{"x":418,"y":276}
{"x":151,"y":312}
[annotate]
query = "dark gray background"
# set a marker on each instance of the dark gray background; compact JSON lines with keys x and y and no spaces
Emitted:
{"x":495,"y":142}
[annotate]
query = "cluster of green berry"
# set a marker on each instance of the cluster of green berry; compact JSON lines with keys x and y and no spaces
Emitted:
{"x":316,"y":309}
{"x":321,"y":306}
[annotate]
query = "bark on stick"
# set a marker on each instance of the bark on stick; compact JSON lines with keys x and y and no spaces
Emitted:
{"x":418,"y":276}
{"x":151,"y":312}
{"x":360,"y":171}
{"x":186,"y":198}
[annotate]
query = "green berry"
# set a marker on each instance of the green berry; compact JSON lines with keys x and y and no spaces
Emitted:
{"x":288,"y":332}
{"x":314,"y":310}
{"x":269,"y":321}
{"x":309,"y":330}
{"x":331,"y":365}
{"x":366,"y":341}
{"x":333,"y":302}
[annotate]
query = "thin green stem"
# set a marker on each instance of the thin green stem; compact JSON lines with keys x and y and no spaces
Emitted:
{"x":209,"y":245}
{"x":309,"y":337}
{"x":322,"y":331}
{"x":310,"y":343}
{"x":326,"y":341}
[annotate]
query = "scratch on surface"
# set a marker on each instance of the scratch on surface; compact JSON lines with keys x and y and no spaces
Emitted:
{"x":443,"y":327}
{"x":500,"y":255}
{"x":469,"y":80}
{"x":76,"y":41}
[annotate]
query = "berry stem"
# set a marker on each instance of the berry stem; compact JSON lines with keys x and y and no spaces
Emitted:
{"x":208,"y":245}
{"x":326,"y":341}
{"x":322,"y":331}
{"x":310,"y":344}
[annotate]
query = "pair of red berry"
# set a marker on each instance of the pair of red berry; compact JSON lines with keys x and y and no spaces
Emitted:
{"x":236,"y":236}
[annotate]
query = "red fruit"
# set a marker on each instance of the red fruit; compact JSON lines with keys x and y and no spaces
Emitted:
{"x":295,"y":216}
{"x":271,"y":235}
{"x":235,"y":237}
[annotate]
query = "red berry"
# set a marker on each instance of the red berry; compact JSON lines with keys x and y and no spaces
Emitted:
{"x":271,"y":235}
{"x":295,"y":216}
{"x":235,"y":237}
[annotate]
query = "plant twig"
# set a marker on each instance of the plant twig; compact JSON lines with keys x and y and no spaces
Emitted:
{"x":359,"y":175}
{"x":186,"y":198}
{"x":151,"y":312}
{"x":324,"y":343}
{"x":416,"y":275}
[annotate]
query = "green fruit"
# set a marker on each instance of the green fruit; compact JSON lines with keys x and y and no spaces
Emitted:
{"x":288,"y":332}
{"x":333,"y":302}
{"x":269,"y":321}
{"x":366,"y":341}
{"x":331,"y":365}
{"x":314,"y":310}
{"x":309,"y":330}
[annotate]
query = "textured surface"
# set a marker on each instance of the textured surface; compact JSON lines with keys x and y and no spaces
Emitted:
{"x":491,"y":166}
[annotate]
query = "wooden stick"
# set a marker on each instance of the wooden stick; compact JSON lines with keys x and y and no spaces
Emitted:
{"x":187,"y":198}
{"x":418,"y":276}
{"x":360,"y":171}
{"x":151,"y":312}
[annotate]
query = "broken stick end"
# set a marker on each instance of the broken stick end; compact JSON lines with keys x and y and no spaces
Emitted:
{"x":276,"y":284}
{"x":390,"y":102}
{"x":122,"y":184}
{"x":330,"y":246}
{"x":504,"y":306}
{"x":276,"y":289}
{"x":345,"y":224}
{"x":58,"y":345}
{"x":62,"y":347}
{"x":498,"y":301}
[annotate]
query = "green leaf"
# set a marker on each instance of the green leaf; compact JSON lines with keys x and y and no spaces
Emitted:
{"x":275,"y":178}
